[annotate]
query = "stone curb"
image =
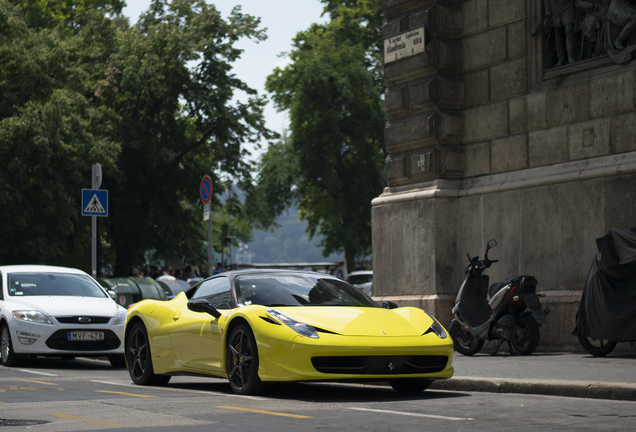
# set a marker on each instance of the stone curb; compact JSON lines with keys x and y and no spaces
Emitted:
{"x":579,"y":389}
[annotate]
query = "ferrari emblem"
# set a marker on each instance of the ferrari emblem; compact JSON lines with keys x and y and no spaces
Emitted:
{"x":391,"y":366}
{"x":382,"y":332}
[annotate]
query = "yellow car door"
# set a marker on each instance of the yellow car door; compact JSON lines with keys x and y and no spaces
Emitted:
{"x":196,"y":336}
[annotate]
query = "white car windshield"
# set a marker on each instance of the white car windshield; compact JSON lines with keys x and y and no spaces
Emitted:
{"x":53,"y":284}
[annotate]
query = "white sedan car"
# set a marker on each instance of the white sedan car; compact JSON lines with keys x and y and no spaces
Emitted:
{"x":363,"y":280}
{"x":57,"y":312}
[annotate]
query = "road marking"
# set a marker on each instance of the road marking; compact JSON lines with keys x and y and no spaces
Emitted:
{"x":209,"y":393}
{"x":113,"y":383}
{"x":263,"y":412}
{"x":409,"y":414}
{"x":38,"y":373}
{"x":125,"y":394}
{"x":72,"y":417}
{"x":37,"y":382}
{"x":14,"y":387}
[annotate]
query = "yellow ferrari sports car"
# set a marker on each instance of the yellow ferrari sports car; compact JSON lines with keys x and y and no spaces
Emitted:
{"x":254,"y":327}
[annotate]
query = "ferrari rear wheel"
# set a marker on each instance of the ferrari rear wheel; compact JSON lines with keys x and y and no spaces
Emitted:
{"x":242,"y":361}
{"x":8,"y":357}
{"x":140,"y":359}
{"x":412,"y":385}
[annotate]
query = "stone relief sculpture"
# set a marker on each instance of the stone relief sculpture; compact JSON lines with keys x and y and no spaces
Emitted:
{"x":577,"y":30}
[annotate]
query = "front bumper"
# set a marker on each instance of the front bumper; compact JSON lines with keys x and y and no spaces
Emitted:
{"x":51,"y":339}
{"x":336,"y":357}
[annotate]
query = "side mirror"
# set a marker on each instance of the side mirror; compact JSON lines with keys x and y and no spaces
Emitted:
{"x":112,"y":294}
{"x":202,"y":305}
{"x":389,"y":305}
{"x":491,"y":244}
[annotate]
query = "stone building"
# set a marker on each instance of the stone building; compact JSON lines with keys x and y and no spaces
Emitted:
{"x":491,"y":133}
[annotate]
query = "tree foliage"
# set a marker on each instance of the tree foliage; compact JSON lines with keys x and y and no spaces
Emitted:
{"x":153,"y":103}
{"x":331,"y":165}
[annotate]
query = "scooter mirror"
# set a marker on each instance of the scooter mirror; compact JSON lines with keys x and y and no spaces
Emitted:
{"x":492,"y":243}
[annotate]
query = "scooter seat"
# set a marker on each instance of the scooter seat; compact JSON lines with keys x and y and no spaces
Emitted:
{"x":494,"y":288}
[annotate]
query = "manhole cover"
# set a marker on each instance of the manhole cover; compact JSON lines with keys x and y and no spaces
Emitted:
{"x":5,"y":422}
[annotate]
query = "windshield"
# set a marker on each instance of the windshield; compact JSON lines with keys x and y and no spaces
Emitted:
{"x":360,"y":279}
{"x":53,"y":284}
{"x":299,"y":290}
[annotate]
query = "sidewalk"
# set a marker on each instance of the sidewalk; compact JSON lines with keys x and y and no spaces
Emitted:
{"x":546,"y":373}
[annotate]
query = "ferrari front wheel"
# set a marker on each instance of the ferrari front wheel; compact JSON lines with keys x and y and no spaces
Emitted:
{"x":139,"y":358}
{"x":242,"y":361}
{"x":410,"y":385}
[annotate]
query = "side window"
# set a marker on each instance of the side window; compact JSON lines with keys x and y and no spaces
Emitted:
{"x":1,"y":288}
{"x":216,"y":291}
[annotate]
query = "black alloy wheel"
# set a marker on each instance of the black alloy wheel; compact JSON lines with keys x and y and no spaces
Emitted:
{"x":464,"y":342}
{"x":527,"y":335}
{"x":596,"y":347}
{"x":242,"y":361}
{"x":140,"y":359}
{"x":410,"y":385}
{"x":7,"y":356}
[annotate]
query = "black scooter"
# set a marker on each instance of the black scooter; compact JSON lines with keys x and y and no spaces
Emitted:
{"x":508,"y":311}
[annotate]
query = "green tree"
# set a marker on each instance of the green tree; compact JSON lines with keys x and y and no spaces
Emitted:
{"x":67,"y":13}
{"x":332,"y":163}
{"x":50,"y":134}
{"x":152,"y":103}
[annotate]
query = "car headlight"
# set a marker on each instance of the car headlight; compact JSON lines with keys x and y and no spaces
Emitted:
{"x":120,"y":318}
{"x":298,"y":327}
{"x":437,"y":328}
{"x":32,"y":316}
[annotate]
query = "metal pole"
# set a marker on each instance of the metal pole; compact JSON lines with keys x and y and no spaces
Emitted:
{"x":210,"y":254}
{"x":94,"y":246}
{"x":96,"y":182}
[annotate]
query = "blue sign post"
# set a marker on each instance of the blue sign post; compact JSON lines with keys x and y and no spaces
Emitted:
{"x":94,"y":202}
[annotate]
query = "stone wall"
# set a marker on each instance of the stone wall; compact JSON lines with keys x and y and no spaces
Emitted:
{"x":484,"y":143}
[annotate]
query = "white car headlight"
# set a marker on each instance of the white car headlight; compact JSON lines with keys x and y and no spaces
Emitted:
{"x":298,"y":327}
{"x":32,"y":316}
{"x":120,"y":318}
{"x":437,"y":328}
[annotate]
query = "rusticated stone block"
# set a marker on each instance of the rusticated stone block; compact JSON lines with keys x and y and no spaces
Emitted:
{"x":569,"y":103}
{"x":396,"y":101}
{"x":423,"y":95}
{"x":423,"y":130}
{"x":508,"y":79}
{"x":537,"y":110}
{"x":510,"y":153}
{"x":487,"y":121}
{"x":505,"y":11}
{"x":407,"y":69}
{"x":474,"y":16}
{"x":477,"y":159}
{"x":437,"y":162}
{"x":548,"y":146}
{"x":518,"y":108}
{"x":623,"y":132}
{"x":394,"y":7}
{"x":477,"y":87}
{"x":410,"y":133}
{"x":589,"y":139}
{"x":440,"y":20}
{"x":484,"y":49}
{"x":397,"y":169}
{"x":612,"y":92}
{"x":445,"y":55}
{"x":517,"y":34}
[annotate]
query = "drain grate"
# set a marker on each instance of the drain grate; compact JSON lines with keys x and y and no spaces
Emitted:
{"x":5,"y":422}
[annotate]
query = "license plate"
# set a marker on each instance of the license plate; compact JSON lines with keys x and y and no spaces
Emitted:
{"x":85,"y":335}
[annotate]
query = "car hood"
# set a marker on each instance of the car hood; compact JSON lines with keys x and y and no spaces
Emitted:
{"x":68,"y":305}
{"x":359,"y":321}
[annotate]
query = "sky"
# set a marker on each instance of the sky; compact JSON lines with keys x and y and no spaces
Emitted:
{"x":283,"y":19}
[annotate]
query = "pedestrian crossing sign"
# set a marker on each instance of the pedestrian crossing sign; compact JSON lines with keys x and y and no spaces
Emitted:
{"x":94,"y":202}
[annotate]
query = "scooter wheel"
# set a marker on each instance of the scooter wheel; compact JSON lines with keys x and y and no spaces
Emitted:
{"x":464,"y":342}
{"x":528,"y":340}
{"x":596,"y":347}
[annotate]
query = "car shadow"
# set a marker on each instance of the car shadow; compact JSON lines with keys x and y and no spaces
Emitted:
{"x":324,"y":392}
{"x":78,"y":363}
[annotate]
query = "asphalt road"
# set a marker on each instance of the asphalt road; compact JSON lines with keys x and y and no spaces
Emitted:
{"x":90,"y":395}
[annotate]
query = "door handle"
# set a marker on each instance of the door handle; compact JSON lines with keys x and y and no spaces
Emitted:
{"x":175,"y":318}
